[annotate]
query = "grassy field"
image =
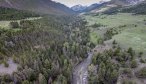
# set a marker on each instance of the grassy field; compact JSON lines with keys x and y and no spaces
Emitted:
{"x":5,"y":24}
{"x":94,"y":36}
{"x":115,"y":20}
{"x":135,"y":38}
{"x":132,"y":35}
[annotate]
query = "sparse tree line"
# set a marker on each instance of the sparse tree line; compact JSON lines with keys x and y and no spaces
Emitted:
{"x":23,"y":24}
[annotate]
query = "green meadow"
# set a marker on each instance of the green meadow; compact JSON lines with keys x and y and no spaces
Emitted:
{"x":132,"y":34}
{"x":5,"y":24}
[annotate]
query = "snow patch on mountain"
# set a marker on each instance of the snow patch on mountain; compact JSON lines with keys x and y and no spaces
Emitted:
{"x":78,"y":8}
{"x":134,"y":2}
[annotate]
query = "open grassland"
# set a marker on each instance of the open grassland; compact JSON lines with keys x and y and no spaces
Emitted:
{"x":135,"y":38}
{"x":115,"y":20}
{"x":132,"y":32}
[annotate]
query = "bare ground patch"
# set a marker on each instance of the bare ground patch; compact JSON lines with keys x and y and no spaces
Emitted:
{"x":8,"y":70}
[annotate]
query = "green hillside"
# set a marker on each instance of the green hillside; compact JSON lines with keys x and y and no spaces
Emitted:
{"x":13,"y":14}
{"x":125,"y":62}
{"x":38,"y":6}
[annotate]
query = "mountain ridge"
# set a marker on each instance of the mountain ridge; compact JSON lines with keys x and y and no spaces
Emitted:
{"x":80,"y":8}
{"x":114,"y":5}
{"x":39,"y":6}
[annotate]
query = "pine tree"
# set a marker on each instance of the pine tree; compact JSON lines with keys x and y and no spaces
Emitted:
{"x":42,"y":79}
{"x":25,"y":82}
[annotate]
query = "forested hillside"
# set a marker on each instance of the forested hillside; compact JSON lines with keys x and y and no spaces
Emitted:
{"x":46,"y":50}
{"x":45,"y":42}
{"x":13,"y":14}
{"x":38,"y":6}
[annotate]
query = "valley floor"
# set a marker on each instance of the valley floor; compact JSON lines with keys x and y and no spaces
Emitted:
{"x":131,"y":28}
{"x":131,"y":32}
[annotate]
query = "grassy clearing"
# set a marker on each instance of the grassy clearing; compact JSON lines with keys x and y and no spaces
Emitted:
{"x":115,"y":20}
{"x":132,"y":35}
{"x":5,"y":24}
{"x":94,"y":37}
{"x":135,"y":38}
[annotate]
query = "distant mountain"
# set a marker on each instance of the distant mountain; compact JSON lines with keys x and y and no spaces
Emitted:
{"x":94,"y":6}
{"x":78,"y":8}
{"x":114,"y":6}
{"x":136,"y":9}
{"x":125,"y":2}
{"x":39,"y":6}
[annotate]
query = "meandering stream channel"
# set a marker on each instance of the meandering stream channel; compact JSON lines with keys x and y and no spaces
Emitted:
{"x":80,"y":72}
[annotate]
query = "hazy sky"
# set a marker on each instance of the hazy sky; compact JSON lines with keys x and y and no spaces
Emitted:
{"x":71,"y":3}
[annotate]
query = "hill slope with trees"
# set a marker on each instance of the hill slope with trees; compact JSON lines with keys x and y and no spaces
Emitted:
{"x":13,"y":14}
{"x":39,"y":6}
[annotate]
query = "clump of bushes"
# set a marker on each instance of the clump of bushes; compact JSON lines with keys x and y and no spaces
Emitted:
{"x":126,"y":81}
{"x":143,"y":60}
{"x":109,"y":33}
{"x":96,"y":25}
{"x":131,"y":52}
{"x":6,"y":78}
{"x":114,"y":42}
{"x":134,"y":64}
{"x":24,"y":24}
{"x":128,"y":72}
{"x":14,"y":25}
{"x":121,"y":26}
{"x":140,"y":54}
{"x":141,"y":73}
{"x":6,"y":64}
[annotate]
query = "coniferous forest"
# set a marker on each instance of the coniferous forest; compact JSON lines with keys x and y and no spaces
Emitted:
{"x":46,"y":42}
{"x":13,"y":14}
{"x":46,"y":51}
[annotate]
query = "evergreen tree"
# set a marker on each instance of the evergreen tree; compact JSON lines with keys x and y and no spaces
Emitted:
{"x":42,"y":79}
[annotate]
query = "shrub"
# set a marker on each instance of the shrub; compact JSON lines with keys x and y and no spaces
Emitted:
{"x":141,"y":73}
{"x":114,"y":42}
{"x":127,"y":71}
{"x":124,"y":64}
{"x":126,"y":81}
{"x":25,"y":82}
{"x":6,"y":64}
{"x":140,"y":54}
{"x":14,"y":25}
{"x":131,"y":51}
{"x":6,"y":78}
{"x":25,"y":24}
{"x":134,"y":64}
{"x":143,"y":60}
{"x":96,"y":25}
